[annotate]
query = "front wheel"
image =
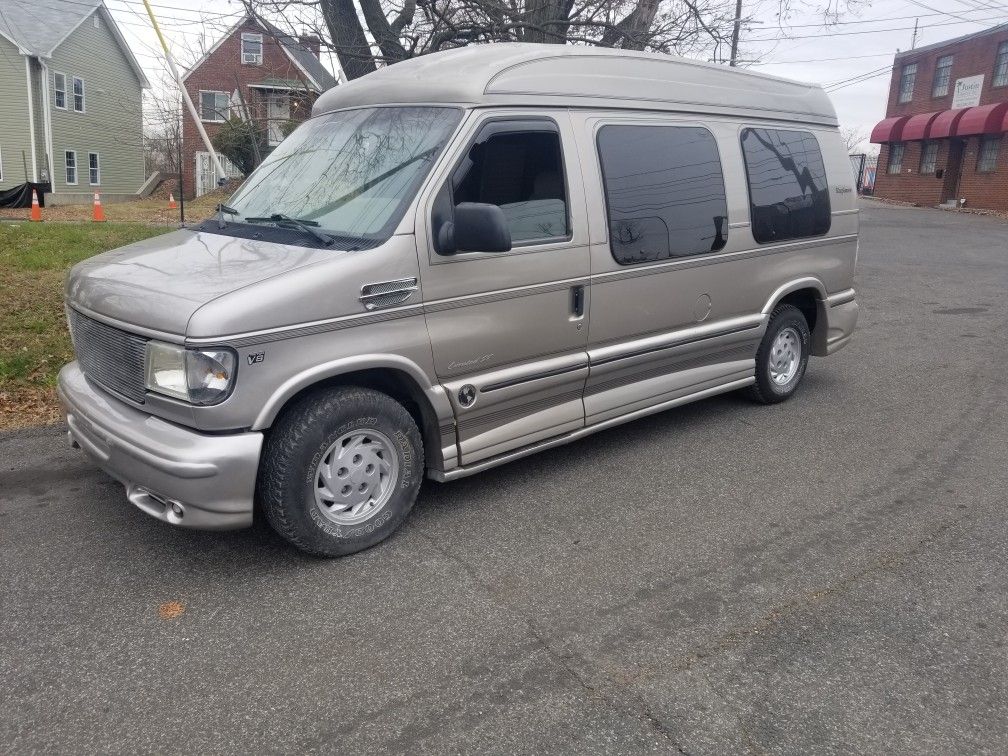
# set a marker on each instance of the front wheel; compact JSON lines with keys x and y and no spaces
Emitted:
{"x":782,"y":356}
{"x":340,"y":471}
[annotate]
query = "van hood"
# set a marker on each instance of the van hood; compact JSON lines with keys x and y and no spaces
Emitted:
{"x":160,"y":283}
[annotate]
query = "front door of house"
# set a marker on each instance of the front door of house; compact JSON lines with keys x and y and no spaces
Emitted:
{"x":277,"y":114}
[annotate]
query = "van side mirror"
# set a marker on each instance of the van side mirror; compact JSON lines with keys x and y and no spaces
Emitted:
{"x":478,"y":227}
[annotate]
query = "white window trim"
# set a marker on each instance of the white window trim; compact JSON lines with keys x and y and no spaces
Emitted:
{"x":221,"y":118}
{"x":256,"y":60}
{"x":97,"y":168}
{"x":83,"y":96}
{"x":57,"y":89}
{"x":76,"y":167}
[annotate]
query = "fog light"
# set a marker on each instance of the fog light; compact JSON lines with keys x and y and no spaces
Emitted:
{"x":177,"y":509}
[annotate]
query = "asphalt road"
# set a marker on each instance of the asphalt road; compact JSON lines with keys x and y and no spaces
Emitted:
{"x":830,"y":574}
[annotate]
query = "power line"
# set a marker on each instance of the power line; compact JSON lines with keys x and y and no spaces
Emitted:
{"x":882,"y":19}
{"x":818,"y":60}
{"x":877,"y":31}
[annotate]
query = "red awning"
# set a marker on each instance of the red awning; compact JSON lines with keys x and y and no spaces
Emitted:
{"x":945,"y":124}
{"x":983,"y":119}
{"x":889,"y":130}
{"x":919,"y":126}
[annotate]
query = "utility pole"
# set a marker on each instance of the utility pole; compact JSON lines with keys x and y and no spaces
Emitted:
{"x":181,"y":194}
{"x":221,"y":175}
{"x":913,"y":42}
{"x":735,"y":32}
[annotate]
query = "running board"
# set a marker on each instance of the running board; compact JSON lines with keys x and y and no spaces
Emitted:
{"x":444,"y":476}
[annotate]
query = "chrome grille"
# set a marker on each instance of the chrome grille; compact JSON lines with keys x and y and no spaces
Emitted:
{"x":111,"y":358}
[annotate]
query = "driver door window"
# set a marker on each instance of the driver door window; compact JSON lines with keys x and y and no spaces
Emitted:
{"x":522,"y":173}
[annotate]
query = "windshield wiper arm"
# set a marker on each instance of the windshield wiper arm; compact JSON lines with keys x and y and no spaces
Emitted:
{"x":308,"y":226}
{"x":221,"y":210}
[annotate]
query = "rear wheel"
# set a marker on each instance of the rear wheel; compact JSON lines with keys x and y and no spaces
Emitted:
{"x":782,"y":356}
{"x":340,"y":471}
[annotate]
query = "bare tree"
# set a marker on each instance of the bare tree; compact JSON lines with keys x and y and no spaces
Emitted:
{"x":853,"y":138}
{"x":366,"y":34}
{"x":162,"y":128}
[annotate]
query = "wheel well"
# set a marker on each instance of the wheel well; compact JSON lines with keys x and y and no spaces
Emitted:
{"x":398,"y":385}
{"x":806,"y":300}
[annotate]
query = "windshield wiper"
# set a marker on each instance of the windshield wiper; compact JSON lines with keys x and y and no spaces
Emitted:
{"x":221,"y":210}
{"x":308,"y":226}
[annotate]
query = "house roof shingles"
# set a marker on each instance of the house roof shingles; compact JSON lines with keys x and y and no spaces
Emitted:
{"x":39,"y":29}
{"x":304,"y":57}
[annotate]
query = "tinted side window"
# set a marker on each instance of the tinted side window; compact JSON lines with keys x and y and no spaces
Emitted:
{"x":788,"y":194}
{"x":522,"y":173}
{"x":664,"y":192}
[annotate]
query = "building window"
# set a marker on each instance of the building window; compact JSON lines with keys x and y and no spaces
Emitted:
{"x":788,"y":194}
{"x":943,"y":73}
{"x":70,"y":159}
{"x":929,"y":157}
{"x":78,"y":95}
{"x":59,"y":90}
{"x":664,"y":190}
{"x":987,"y":162}
{"x":522,"y":173}
{"x":94,"y":169}
{"x":214,"y":106}
{"x":907,"y":80}
{"x":895,"y":158}
{"x":252,"y":48}
{"x":1001,"y":66}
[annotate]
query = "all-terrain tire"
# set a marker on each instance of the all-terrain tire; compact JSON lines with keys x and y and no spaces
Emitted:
{"x":304,"y":436}
{"x":772,"y":362}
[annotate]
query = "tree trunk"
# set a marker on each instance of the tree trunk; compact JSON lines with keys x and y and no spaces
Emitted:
{"x":348,"y":38}
{"x":546,"y":21}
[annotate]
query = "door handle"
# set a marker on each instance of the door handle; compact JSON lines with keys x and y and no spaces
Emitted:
{"x":577,"y":301}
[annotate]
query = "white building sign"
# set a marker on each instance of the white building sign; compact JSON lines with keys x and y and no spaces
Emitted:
{"x":967,"y":92}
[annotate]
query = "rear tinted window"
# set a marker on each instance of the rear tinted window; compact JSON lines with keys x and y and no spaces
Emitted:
{"x":664,"y":192}
{"x":788,"y":195}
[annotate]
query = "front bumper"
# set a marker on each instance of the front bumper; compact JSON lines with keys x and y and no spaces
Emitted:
{"x":175,"y":474}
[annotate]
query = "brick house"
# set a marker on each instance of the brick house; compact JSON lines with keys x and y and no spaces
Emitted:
{"x":943,"y":137}
{"x":254,"y":71}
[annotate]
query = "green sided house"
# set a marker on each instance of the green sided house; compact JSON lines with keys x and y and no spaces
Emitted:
{"x":72,"y":114}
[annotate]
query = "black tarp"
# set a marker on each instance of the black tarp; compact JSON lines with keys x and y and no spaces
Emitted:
{"x":20,"y":196}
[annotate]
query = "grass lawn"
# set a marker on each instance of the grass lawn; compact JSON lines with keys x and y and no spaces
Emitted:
{"x":34,"y":343}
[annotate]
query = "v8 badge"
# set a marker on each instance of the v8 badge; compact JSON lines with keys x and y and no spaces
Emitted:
{"x":256,"y":357}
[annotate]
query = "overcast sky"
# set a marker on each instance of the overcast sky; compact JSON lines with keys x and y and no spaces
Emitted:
{"x":861,"y":46}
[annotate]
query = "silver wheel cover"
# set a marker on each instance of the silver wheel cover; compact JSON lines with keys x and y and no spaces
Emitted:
{"x":356,"y":477}
{"x":785,"y":356}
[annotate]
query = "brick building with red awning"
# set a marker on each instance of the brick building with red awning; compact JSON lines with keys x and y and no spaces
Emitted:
{"x":943,"y":137}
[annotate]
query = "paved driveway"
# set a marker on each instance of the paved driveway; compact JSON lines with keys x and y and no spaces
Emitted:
{"x":827,"y":574}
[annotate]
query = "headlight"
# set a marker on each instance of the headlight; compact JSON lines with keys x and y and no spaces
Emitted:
{"x":199,"y":377}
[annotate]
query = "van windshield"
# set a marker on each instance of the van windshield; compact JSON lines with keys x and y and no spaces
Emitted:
{"x":349,"y":173}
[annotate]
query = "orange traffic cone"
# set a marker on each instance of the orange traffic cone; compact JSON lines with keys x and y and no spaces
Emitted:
{"x":36,"y":211}
{"x":99,"y":215}
{"x":171,"y":201}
